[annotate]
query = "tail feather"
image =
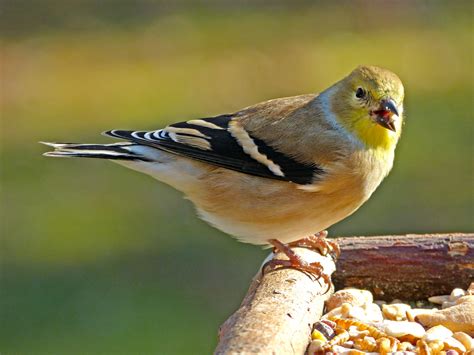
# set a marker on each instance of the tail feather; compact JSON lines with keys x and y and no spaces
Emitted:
{"x":114,"y":151}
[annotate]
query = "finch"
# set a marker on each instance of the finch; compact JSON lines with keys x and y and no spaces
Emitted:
{"x":277,"y":172}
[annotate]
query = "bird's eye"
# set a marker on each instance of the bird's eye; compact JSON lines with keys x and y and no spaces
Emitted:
{"x":360,"y":93}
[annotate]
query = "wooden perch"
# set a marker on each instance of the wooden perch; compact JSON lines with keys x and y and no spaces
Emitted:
{"x":280,"y":307}
{"x":410,"y":267}
{"x":278,"y":311}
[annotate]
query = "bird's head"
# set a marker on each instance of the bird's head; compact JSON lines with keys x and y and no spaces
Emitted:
{"x":369,"y":104}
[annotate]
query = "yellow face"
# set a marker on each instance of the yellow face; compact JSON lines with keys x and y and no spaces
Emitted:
{"x":369,"y":102}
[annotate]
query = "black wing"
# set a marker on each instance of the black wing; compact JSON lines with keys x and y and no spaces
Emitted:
{"x":218,"y":141}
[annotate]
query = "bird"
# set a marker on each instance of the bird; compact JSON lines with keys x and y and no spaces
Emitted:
{"x":277,"y":173}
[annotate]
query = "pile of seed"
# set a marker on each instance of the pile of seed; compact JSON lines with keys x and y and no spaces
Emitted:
{"x":355,"y":324}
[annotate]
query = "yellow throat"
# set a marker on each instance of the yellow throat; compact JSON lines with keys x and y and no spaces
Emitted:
{"x":374,"y":135}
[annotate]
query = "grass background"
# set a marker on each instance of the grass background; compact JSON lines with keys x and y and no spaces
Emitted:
{"x":96,"y":259}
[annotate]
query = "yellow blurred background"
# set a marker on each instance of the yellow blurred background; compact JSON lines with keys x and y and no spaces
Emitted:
{"x":97,"y":259}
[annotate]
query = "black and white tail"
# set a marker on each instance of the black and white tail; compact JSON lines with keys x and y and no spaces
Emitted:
{"x":114,"y":151}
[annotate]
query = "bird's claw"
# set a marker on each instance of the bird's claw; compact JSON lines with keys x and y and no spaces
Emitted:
{"x":311,"y":269}
{"x":320,"y":243}
{"x":314,"y":269}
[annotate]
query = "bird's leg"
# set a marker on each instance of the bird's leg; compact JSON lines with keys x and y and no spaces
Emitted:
{"x":295,"y":262}
{"x":318,"y":242}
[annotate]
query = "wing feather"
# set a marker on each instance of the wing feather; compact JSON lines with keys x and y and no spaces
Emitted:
{"x":221,"y":141}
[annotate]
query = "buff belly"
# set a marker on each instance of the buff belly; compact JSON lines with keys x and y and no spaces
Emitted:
{"x":252,"y":209}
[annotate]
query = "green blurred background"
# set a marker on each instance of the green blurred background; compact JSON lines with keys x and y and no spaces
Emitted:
{"x":97,"y":259}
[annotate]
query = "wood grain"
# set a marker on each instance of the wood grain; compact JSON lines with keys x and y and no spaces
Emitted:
{"x":408,"y":267}
{"x":277,"y":314}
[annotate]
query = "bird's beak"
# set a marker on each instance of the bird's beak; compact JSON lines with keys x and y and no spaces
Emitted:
{"x":384,"y":115}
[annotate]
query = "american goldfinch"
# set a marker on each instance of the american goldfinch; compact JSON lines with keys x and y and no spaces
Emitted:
{"x":279,"y":171}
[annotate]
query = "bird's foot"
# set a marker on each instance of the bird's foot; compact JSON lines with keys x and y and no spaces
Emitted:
{"x":294,"y":261}
{"x":318,"y":242}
